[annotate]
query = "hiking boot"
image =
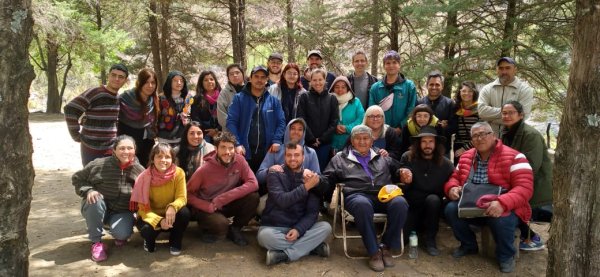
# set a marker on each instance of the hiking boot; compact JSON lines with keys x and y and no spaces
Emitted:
{"x":461,"y":251}
{"x":508,"y":266}
{"x":98,"y":252}
{"x":174,"y":251}
{"x":149,"y":247}
{"x":235,"y":235}
{"x":276,"y":256}
{"x":533,"y":244}
{"x":431,"y":248}
{"x":322,"y":250}
{"x":376,"y":262}
{"x":120,"y":242}
{"x":388,"y":260}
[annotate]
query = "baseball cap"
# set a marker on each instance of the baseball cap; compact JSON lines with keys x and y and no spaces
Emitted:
{"x":506,"y":59}
{"x":314,"y":52}
{"x":259,"y":68}
{"x":389,"y":192}
{"x":275,"y":56}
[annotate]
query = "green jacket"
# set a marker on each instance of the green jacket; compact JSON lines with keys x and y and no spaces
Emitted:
{"x":531,"y":143}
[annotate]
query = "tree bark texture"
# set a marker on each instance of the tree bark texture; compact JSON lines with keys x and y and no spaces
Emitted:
{"x":395,"y":24}
{"x":237,"y":19}
{"x":98,"y":11}
{"x":375,"y":38}
{"x":574,"y":245}
{"x":53,"y":102}
{"x":16,"y":172}
{"x":155,"y":44}
{"x":165,"y":36}
{"x":450,"y":50}
{"x":289,"y":20}
{"x":509,"y":37}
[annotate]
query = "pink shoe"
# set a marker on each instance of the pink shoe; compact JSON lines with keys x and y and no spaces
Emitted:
{"x":98,"y":252}
{"x":119,"y":242}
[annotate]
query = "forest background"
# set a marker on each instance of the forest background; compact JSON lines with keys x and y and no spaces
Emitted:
{"x":75,"y":42}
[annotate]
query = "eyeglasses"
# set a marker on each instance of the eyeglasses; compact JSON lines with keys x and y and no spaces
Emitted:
{"x":509,"y":113}
{"x":291,"y":73}
{"x":118,"y":76}
{"x":375,"y":116}
{"x":480,"y":136}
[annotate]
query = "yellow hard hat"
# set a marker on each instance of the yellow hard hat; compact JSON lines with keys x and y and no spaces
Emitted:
{"x":388,"y":192}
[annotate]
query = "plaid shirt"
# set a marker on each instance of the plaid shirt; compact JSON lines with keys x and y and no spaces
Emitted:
{"x":480,"y":175}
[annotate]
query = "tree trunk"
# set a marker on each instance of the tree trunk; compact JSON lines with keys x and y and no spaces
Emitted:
{"x":509,"y":37}
{"x":165,"y":36}
{"x":238,"y":31}
{"x":242,"y":32}
{"x":450,"y":50}
{"x":102,"y":53}
{"x":375,"y":38}
{"x":395,"y":24}
{"x":289,"y":20}
{"x":155,"y":44}
{"x":16,"y":172}
{"x":574,"y":245}
{"x":53,"y":102}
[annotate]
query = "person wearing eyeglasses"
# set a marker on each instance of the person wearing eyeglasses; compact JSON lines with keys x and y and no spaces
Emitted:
{"x":492,"y":163}
{"x":96,"y":131}
{"x":527,"y":140}
{"x":384,"y":138}
{"x":288,"y":90}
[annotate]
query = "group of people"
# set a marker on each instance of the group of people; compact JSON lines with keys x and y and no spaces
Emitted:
{"x":289,"y":135}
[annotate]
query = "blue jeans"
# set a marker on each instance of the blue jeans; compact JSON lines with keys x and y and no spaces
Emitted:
{"x":363,"y":206}
{"x":273,"y":238}
{"x":96,"y":215}
{"x":503,"y":230}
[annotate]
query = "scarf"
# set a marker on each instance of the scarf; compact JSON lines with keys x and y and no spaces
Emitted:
{"x":212,"y":99}
{"x":131,"y":110}
{"x":414,"y":129}
{"x":343,"y":101}
{"x":140,"y":195}
{"x":470,"y":110}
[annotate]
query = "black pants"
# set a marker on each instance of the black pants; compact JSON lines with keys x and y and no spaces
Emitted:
{"x":217,"y":223}
{"x":254,"y":163}
{"x":424,"y":215}
{"x":182,"y":218}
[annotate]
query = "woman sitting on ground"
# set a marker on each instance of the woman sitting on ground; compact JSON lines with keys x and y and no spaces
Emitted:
{"x":105,"y":186}
{"x":160,"y":196}
{"x":192,"y":149}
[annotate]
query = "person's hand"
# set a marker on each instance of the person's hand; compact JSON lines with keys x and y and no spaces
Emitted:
{"x":454,"y":193}
{"x":276,"y":168}
{"x":398,"y":131}
{"x":292,"y":235}
{"x":307,"y":173}
{"x":240,"y":150}
{"x":311,"y":182}
{"x":443,"y":123}
{"x":383,"y":152}
{"x":93,"y":196}
{"x":494,"y":210}
{"x":340,"y":129}
{"x":170,"y":216}
{"x":163,"y":224}
{"x":317,"y":143}
{"x":211,"y":132}
{"x":184,"y":118}
{"x":405,"y":175}
{"x":459,"y":152}
{"x":274,"y":148}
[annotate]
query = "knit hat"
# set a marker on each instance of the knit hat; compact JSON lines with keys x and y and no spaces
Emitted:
{"x":121,"y":67}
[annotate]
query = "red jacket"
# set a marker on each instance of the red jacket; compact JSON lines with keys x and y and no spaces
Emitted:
{"x":214,"y":185}
{"x":507,"y":168}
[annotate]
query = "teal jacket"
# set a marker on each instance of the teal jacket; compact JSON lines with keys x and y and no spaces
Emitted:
{"x":530,"y":142}
{"x":352,"y":115}
{"x":405,"y":98}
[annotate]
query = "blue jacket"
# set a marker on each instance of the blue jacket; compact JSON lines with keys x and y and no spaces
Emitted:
{"x":405,"y":97}
{"x":289,"y":204}
{"x":311,"y":161}
{"x":239,"y":117}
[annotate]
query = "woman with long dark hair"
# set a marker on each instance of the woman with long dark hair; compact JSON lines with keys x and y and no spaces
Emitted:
{"x":139,"y":112}
{"x":466,"y":115}
{"x":204,"y":106}
{"x":173,"y":111}
{"x":288,"y":91}
{"x":192,"y":149}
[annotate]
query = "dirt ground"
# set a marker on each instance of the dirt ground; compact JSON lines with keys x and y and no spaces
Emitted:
{"x":59,"y":246}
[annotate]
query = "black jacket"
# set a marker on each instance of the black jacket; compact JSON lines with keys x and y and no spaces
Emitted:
{"x":321,"y":113}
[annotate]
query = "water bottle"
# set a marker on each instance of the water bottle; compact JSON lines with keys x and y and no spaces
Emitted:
{"x":413,"y":242}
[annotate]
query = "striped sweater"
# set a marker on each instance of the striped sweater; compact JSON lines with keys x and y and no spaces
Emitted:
{"x":106,"y":177}
{"x":98,"y":127}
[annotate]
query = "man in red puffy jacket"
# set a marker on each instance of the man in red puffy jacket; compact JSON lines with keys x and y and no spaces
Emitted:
{"x":493,"y":163}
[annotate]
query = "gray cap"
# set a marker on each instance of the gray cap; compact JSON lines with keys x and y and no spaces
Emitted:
{"x":276,"y":56}
{"x":259,"y":68}
{"x":314,"y":52}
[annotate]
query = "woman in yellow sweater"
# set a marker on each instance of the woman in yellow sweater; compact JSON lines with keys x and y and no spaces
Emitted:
{"x":160,"y":196}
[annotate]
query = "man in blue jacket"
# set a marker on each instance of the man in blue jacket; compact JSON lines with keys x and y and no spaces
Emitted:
{"x":289,"y":228}
{"x":256,"y":119}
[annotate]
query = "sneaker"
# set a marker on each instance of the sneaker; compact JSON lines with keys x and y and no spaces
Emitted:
{"x":322,"y":250}
{"x":431,"y":248}
{"x":175,"y":251}
{"x":376,"y":262}
{"x":386,"y":256}
{"x":460,"y":252}
{"x":276,"y":256}
{"x":235,"y":235}
{"x":120,"y":242}
{"x":98,"y":252}
{"x":508,"y":266}
{"x":533,"y":244}
{"x":148,"y":247}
